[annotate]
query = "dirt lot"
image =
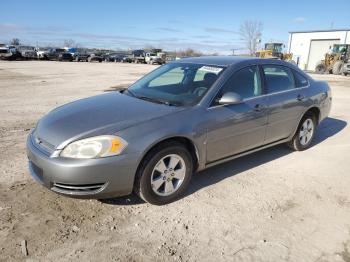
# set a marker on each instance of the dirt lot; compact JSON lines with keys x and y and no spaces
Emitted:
{"x":274,"y":205}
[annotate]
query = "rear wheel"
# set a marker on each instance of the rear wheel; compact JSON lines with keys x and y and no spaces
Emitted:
{"x":304,"y":134}
{"x":164,"y":174}
{"x":337,"y":67}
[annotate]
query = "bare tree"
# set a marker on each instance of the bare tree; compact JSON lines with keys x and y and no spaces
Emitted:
{"x":149,"y":47}
{"x":70,"y":43}
{"x":15,"y":41}
{"x":189,"y":52}
{"x":250,"y":32}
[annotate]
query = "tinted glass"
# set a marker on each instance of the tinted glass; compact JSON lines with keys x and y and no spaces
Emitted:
{"x":278,"y":78}
{"x":300,"y":81}
{"x":246,"y":82}
{"x":172,"y":77}
{"x":177,"y":83}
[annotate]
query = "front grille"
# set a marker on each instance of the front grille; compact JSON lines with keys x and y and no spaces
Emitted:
{"x":78,"y":189}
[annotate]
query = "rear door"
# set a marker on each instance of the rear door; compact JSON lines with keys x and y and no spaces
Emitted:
{"x":286,"y":101}
{"x":239,"y":127}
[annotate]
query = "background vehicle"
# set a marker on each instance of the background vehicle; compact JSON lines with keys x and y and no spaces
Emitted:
{"x":81,"y":56}
{"x":42,"y":52}
{"x":126,"y":59}
{"x":53,"y":53}
{"x":274,"y":50}
{"x":149,"y":57}
{"x":95,"y":58}
{"x":65,"y":56}
{"x":336,"y":61}
{"x":27,"y":52}
{"x":5,"y":52}
{"x":155,"y":58}
{"x":114,"y":57}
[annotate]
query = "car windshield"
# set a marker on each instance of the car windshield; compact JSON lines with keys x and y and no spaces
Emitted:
{"x":176,"y":83}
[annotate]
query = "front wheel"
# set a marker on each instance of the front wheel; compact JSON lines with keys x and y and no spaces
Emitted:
{"x":164,"y":174}
{"x":304,"y":134}
{"x":320,"y":68}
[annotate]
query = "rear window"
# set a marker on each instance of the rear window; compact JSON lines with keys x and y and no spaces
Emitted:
{"x":278,"y":78}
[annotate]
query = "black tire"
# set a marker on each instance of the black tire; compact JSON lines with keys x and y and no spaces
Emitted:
{"x":320,"y":68}
{"x":295,"y":143}
{"x":337,"y":67}
{"x":143,"y":187}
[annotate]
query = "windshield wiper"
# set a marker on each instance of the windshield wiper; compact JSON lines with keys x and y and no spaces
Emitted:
{"x":158,"y":101}
{"x":152,"y":99}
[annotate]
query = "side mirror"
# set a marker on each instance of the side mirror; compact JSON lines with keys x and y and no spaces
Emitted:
{"x":230,"y":98}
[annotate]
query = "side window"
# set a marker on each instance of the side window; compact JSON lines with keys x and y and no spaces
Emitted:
{"x":300,"y":81}
{"x":246,"y":82}
{"x":278,"y":78}
{"x":172,"y":77}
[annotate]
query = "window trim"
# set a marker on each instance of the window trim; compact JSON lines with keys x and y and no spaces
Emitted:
{"x":281,"y":91}
{"x":264,"y":87}
{"x":295,"y":72}
{"x":228,"y":78}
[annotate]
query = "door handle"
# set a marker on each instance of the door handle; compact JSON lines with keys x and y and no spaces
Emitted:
{"x":300,"y":97}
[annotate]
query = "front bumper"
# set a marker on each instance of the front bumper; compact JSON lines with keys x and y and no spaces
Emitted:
{"x":83,"y":178}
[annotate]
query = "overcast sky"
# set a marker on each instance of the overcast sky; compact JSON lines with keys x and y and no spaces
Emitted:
{"x":209,"y":26}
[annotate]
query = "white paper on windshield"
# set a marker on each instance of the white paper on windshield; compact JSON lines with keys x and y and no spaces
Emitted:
{"x":211,"y":69}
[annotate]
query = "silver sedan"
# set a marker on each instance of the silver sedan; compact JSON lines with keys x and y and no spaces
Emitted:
{"x":183,"y":117}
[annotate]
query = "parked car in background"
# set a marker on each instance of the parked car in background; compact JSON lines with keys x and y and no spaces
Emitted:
{"x":27,"y":52}
{"x":42,"y":52}
{"x":81,"y":56}
{"x":95,"y":58}
{"x":114,"y":57}
{"x":65,"y":56}
{"x":5,"y":52}
{"x":155,"y":58}
{"x":185,"y":116}
{"x":127,"y":59}
{"x":53,"y":53}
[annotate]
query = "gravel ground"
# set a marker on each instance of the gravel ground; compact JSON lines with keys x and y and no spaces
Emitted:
{"x":274,"y":205}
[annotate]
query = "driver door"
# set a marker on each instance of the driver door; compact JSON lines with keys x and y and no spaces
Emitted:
{"x":239,"y":127}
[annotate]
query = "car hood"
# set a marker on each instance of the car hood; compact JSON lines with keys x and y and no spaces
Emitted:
{"x":102,"y":114}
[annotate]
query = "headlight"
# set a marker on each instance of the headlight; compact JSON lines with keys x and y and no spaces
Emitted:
{"x":95,"y":147}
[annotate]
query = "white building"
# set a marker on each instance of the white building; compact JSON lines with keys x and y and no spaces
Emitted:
{"x":309,"y":47}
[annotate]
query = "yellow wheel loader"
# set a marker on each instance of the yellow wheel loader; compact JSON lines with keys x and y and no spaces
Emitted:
{"x":274,"y":50}
{"x":336,"y":61}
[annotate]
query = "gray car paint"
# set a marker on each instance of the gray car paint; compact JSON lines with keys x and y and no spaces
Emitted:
{"x":218,"y":133}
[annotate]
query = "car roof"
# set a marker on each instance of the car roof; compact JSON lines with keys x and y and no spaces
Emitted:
{"x":228,"y":60}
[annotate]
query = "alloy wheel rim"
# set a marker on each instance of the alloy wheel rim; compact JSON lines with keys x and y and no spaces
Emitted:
{"x":168,"y":175}
{"x":306,"y":132}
